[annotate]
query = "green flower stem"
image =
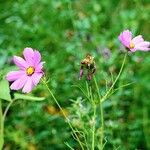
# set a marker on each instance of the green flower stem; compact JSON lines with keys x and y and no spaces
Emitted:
{"x":1,"y":127}
{"x":105,"y":97}
{"x":101,"y":115}
{"x":93,"y":131}
{"x":90,"y":95}
{"x":7,"y":108}
{"x":2,"y":120}
{"x":108,"y":92}
{"x":67,"y":119}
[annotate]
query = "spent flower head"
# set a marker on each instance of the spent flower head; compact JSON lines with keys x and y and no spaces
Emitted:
{"x":87,"y":64}
{"x":133,"y":44}
{"x":29,"y":73}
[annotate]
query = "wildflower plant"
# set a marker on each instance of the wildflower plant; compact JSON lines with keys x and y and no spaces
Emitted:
{"x":29,"y":75}
{"x":90,"y":133}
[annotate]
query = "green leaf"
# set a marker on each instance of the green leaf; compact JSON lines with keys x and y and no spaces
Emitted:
{"x":5,"y":90}
{"x":27,"y":97}
{"x":1,"y":127}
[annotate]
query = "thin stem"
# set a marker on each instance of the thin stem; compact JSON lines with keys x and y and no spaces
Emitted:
{"x":67,"y":119}
{"x":69,"y":146}
{"x":89,"y":89}
{"x":102,"y":125}
{"x":93,"y":131}
{"x":1,"y":127}
{"x":108,"y":92}
{"x":6,"y":110}
{"x":2,"y":120}
{"x":101,"y":114}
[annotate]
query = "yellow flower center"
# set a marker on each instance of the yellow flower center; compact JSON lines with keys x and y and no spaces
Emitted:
{"x":30,"y":70}
{"x":131,"y":45}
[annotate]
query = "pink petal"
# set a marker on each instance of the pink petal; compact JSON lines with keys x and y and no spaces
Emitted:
{"x":133,"y":49}
{"x":36,"y":58}
{"x":137,"y":39}
{"x":125,"y":38}
{"x":36,"y":78}
{"x":39,"y":67}
{"x":20,"y":62}
{"x":19,"y":83}
{"x":143,"y":48}
{"x":81,"y":73}
{"x":28,"y":86}
{"x":127,"y":35}
{"x":14,"y":75}
{"x":143,"y":44}
{"x":28,"y":54}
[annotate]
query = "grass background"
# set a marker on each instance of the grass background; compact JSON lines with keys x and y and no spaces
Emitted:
{"x":64,"y":31}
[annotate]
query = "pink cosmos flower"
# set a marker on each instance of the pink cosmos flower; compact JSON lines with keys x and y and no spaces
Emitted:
{"x":29,"y":73}
{"x":133,"y":44}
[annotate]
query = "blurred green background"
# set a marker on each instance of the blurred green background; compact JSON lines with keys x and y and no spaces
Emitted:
{"x":64,"y":31}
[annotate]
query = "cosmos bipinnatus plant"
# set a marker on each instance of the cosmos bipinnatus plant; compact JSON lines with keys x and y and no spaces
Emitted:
{"x":30,"y":73}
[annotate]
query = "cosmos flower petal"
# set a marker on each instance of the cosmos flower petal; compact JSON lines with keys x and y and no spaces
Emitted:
{"x":133,"y":49}
{"x":142,"y":48}
{"x":20,"y":62}
{"x":36,"y":78}
{"x":127,"y":35}
{"x":28,"y":85}
{"x":19,"y":83}
{"x":28,"y":54}
{"x":137,"y":39}
{"x":37,"y":57}
{"x":14,"y":75}
{"x":143,"y":44}
{"x":121,"y":38}
{"x":39,"y":67}
{"x":125,"y":38}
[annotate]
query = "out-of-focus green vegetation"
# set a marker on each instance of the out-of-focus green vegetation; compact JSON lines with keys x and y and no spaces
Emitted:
{"x":64,"y":31}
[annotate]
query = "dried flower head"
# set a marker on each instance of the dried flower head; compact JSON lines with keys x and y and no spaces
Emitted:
{"x":87,"y":64}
